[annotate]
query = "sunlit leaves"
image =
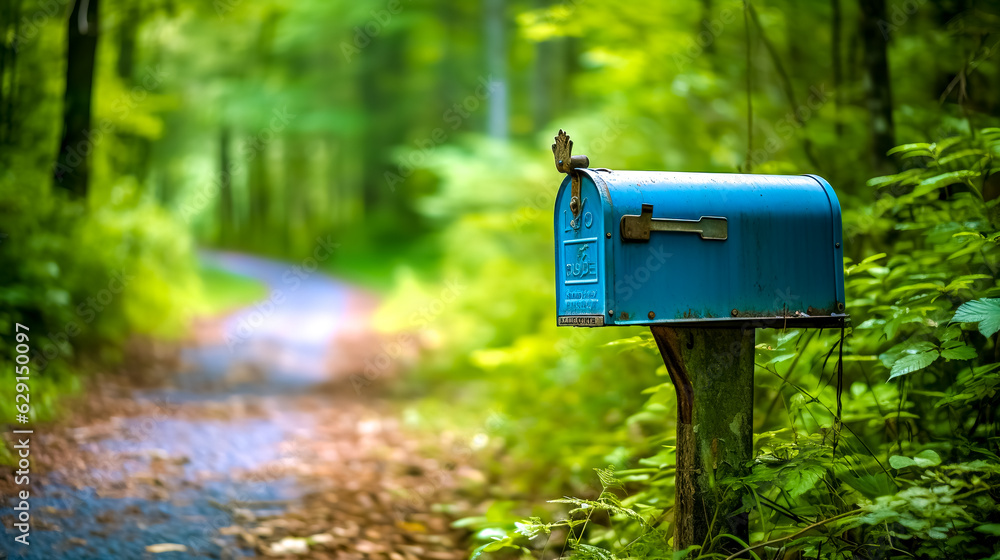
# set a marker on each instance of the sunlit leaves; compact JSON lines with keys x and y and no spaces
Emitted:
{"x":532,"y":527}
{"x":914,"y":150}
{"x":608,"y":479}
{"x":495,"y":545}
{"x":644,"y":340}
{"x":961,"y":154}
{"x":867,"y":264}
{"x":944,"y":179}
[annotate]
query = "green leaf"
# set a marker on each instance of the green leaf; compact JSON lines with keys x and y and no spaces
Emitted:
{"x":963,"y":352}
{"x":943,"y":180}
{"x":972,"y":247}
{"x":950,"y":333}
{"x":992,"y":529}
{"x":942,"y":146}
{"x":963,"y":282}
{"x":871,"y":485}
{"x":683,"y":554}
{"x":986,"y":368}
{"x":927,"y":458}
{"x":984,"y":311}
{"x":900,"y":462}
{"x":608,"y":479}
{"x":494,"y":546}
{"x":592,"y":552}
{"x":468,"y":522}
{"x":914,"y":362}
{"x":961,"y":154}
{"x":491,"y":533}
{"x":802,"y":479}
{"x":885,"y":180}
{"x":893,"y":354}
{"x":531,"y":527}
{"x":780,"y":358}
{"x":906,"y":288}
{"x":907,"y":148}
{"x":873,"y":258}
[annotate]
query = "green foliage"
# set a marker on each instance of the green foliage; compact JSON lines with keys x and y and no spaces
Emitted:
{"x":650,"y":543}
{"x":82,"y":282}
{"x":937,"y":511}
{"x":906,"y":471}
{"x":225,"y":291}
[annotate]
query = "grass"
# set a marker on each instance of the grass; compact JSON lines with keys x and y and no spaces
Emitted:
{"x":223,"y":291}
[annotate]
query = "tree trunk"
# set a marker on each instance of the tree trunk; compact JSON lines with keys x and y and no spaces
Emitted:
{"x":876,"y":79}
{"x":296,"y":171}
{"x":496,"y":66}
{"x":8,"y":16}
{"x":712,"y":373}
{"x":12,"y":89}
{"x":787,"y":85}
{"x":705,"y":25}
{"x":10,"y":98}
{"x":260,"y":196}
{"x":72,"y":170}
{"x":127,"y":30}
{"x":838,"y":79}
{"x":226,"y":225}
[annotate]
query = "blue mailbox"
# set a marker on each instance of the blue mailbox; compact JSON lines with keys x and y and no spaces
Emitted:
{"x":695,"y":249}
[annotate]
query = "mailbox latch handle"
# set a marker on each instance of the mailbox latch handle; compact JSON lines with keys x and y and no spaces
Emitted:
{"x":567,"y":163}
{"x":637,"y":228}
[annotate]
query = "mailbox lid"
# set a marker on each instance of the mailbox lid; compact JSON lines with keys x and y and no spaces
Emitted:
{"x":783,"y":256}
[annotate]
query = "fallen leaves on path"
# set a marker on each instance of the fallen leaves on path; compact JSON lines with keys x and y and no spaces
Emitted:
{"x":375,"y":490}
{"x":378,"y":493}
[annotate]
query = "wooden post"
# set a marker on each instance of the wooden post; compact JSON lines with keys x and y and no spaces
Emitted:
{"x":712,"y":372}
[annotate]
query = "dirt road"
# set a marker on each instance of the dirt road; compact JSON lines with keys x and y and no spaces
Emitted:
{"x":255,"y":444}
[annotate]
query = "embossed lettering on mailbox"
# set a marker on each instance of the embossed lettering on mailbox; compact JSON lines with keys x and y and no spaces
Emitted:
{"x":580,"y":256}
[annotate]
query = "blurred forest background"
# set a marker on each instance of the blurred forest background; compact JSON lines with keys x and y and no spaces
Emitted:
{"x":416,"y":134}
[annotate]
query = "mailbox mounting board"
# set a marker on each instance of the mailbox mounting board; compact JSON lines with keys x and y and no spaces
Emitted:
{"x":699,"y":249}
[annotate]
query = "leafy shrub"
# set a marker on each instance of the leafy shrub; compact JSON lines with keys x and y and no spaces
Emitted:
{"x":82,"y":281}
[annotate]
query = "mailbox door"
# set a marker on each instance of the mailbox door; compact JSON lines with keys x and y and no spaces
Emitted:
{"x":582,"y":254}
{"x":782,"y":257}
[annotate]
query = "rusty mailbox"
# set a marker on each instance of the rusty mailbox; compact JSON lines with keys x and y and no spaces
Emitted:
{"x":695,"y":249}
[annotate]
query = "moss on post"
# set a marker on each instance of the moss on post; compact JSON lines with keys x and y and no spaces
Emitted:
{"x":712,"y":372}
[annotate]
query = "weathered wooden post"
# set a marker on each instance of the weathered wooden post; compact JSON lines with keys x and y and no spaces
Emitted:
{"x":731,"y":253}
{"x":712,"y":372}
